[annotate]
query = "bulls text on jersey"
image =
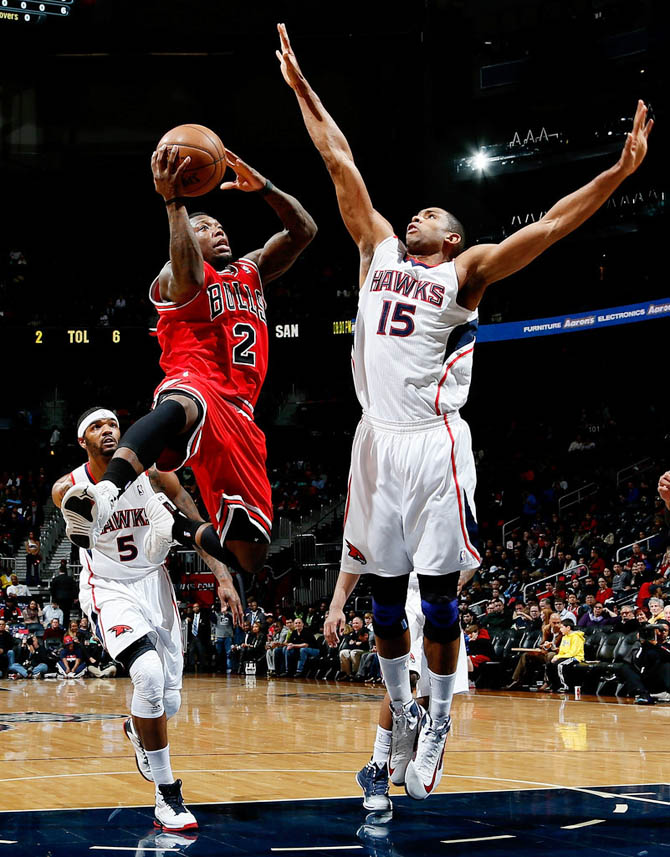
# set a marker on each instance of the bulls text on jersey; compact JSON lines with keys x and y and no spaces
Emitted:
{"x":232,"y":296}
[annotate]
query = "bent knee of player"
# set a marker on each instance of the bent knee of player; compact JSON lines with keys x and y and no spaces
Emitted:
{"x":250,"y":556}
{"x":171,"y":702}
{"x":146,"y":673}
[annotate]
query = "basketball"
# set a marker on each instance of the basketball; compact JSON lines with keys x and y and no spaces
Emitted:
{"x":207,"y":153}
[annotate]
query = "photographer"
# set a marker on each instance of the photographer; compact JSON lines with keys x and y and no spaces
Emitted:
{"x":649,"y":674}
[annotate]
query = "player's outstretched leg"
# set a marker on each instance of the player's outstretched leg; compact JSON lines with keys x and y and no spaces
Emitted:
{"x":393,"y":644}
{"x":441,"y":646}
{"x":151,"y":706}
{"x":374,"y":777}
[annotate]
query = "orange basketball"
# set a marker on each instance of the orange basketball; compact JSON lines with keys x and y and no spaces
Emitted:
{"x":207,"y":153}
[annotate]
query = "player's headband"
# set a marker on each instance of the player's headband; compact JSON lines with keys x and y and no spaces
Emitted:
{"x":100,"y":414}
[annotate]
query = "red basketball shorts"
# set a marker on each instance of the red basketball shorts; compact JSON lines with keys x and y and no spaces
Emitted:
{"x":227,"y":453}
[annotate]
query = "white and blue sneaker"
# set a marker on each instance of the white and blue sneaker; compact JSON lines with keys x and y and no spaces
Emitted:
{"x":424,"y":772}
{"x":86,"y":509}
{"x":406,"y":722}
{"x":374,"y":780}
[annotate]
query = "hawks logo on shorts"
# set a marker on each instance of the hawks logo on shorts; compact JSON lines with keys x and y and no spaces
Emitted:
{"x":120,"y":629}
{"x":354,"y":553}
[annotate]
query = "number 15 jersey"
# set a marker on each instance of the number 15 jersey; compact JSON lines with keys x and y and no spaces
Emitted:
{"x":413,"y":343}
{"x":220,"y":334}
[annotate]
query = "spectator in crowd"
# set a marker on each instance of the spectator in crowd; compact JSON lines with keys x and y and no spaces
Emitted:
{"x":355,"y":643}
{"x":19,"y":590}
{"x":479,"y":648}
{"x":33,"y":559}
{"x":551,"y":640}
{"x":53,"y":635}
{"x":562,"y":609}
{"x":587,"y":606}
{"x":239,"y":637}
{"x":52,"y":611}
{"x":71,"y":661}
{"x":199,"y":637}
{"x":252,"y":650}
{"x":626,"y":622}
{"x":63,"y":590}
{"x":520,"y":618}
{"x":32,"y":660}
{"x":223,"y":638}
{"x":32,"y":613}
{"x":11,"y":612}
{"x":301,"y":646}
{"x":495,"y":618}
{"x":570,"y":651}
{"x":573,"y":605}
{"x":276,"y":646}
{"x":655,"y":607}
{"x":596,"y":563}
{"x":83,"y":633}
{"x":599,"y":617}
{"x":604,"y":592}
{"x":648,"y":674}
{"x":254,"y":613}
{"x":6,"y":648}
{"x":621,"y":579}
{"x":98,"y":661}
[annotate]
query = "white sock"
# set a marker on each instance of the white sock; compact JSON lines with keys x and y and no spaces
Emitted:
{"x":441,"y":695}
{"x":159,"y":762}
{"x":396,"y":678}
{"x":382,"y":748}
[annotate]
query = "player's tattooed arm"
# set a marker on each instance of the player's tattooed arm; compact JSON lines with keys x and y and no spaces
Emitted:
{"x":184,"y":275}
{"x":283,"y":248}
{"x":365,"y":225}
{"x":60,"y":489}
{"x":335,"y":620}
{"x":174,"y":490}
{"x":484,"y":264}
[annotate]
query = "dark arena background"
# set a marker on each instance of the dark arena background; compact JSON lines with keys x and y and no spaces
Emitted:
{"x":492,"y":109}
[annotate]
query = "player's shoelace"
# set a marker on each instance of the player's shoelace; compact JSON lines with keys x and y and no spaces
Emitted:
{"x":432,"y":744}
{"x":171,"y":794}
{"x":376,"y":779}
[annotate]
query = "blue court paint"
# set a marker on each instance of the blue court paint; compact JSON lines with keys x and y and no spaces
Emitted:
{"x":495,"y":823}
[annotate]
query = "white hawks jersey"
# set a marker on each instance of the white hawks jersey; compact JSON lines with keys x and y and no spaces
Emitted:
{"x":119,"y":552}
{"x":413,"y":343}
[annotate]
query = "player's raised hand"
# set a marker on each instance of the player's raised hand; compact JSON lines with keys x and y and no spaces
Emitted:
{"x":167,"y":170}
{"x":289,"y":64}
{"x":636,"y":143}
{"x":246,"y":178}
{"x":664,"y":488}
{"x":332,"y":628}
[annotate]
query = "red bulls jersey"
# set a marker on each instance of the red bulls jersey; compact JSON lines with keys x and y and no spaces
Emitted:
{"x":220,"y":334}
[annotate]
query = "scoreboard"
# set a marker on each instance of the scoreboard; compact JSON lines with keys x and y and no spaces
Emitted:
{"x":34,"y":11}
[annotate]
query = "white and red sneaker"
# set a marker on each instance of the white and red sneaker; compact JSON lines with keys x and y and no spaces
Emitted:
{"x":406,"y":721}
{"x":86,"y":509}
{"x":424,"y":772}
{"x":170,"y":812}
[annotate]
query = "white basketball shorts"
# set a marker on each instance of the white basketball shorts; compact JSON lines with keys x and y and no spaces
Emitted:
{"x":411,"y":499}
{"x":122,"y":611}
{"x":417,"y":657}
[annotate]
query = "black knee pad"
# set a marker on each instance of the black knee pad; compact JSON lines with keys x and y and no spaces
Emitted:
{"x":440,"y":607}
{"x":129,"y":655}
{"x":389,"y":595}
{"x":149,"y":436}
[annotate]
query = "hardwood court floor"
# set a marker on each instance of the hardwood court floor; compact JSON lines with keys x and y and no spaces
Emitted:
{"x":246,"y":740}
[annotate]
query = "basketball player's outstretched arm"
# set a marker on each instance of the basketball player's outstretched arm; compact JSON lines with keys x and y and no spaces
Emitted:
{"x":283,"y":248}
{"x":175,"y":491}
{"x":484,"y":264}
{"x":365,"y":225}
{"x":184,"y":275}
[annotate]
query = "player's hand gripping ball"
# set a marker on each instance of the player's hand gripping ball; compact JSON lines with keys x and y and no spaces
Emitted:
{"x":207,"y":166}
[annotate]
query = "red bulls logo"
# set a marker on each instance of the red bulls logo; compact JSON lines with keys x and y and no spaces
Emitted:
{"x":120,"y":629}
{"x":354,"y":553}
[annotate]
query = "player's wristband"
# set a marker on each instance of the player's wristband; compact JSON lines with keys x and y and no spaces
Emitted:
{"x":267,"y":187}
{"x":178,"y":199}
